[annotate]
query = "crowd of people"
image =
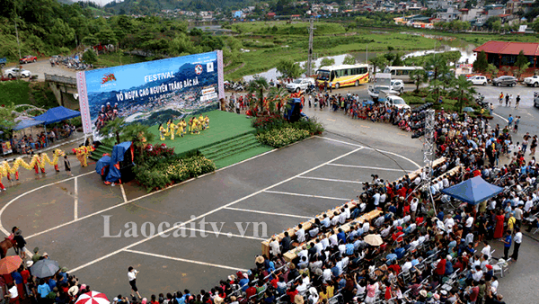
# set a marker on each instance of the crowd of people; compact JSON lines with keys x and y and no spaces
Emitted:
{"x":30,"y":143}
{"x":435,"y":250}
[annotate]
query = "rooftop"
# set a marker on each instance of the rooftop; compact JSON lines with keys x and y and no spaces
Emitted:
{"x":509,"y":48}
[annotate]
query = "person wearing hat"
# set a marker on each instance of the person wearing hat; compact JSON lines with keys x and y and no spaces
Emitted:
{"x":132,"y":277}
{"x":298,"y":299}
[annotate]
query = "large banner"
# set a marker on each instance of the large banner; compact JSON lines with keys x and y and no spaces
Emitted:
{"x":151,"y":92}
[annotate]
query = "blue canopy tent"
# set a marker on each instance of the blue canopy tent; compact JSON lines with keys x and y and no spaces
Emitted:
{"x":27,"y":123}
{"x":57,"y":114}
{"x":473,"y":190}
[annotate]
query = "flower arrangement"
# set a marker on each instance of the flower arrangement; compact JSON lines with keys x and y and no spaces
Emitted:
{"x":282,"y":137}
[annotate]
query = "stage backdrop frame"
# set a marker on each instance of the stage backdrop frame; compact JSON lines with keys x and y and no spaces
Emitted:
{"x":151,"y":92}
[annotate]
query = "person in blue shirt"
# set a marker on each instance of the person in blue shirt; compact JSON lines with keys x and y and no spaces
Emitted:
{"x":244,"y":283}
{"x":43,"y":289}
{"x":441,"y":215}
{"x":180,"y":298}
{"x":400,"y":252}
{"x":390,"y":257}
{"x":448,"y":266}
{"x":507,"y":244}
{"x":52,"y":283}
{"x":349,"y":249}
{"x":341,"y":236}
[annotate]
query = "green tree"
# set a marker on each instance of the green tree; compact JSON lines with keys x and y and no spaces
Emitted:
{"x":288,"y":68}
{"x":258,"y":86}
{"x":435,"y":89}
{"x":437,"y":65}
{"x":464,"y":90}
{"x":349,"y":59}
{"x":276,"y":95}
{"x":89,"y":56}
{"x":7,"y":117}
{"x":519,"y":70}
{"x":418,"y":76}
{"x":327,"y":62}
{"x":481,"y":64}
{"x":492,"y":70}
{"x":111,"y":130}
{"x":497,"y":26}
{"x":521,"y":60}
{"x":379,"y":62}
{"x":397,"y":61}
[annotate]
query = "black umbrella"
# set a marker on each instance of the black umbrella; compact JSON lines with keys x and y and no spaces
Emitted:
{"x":44,"y":268}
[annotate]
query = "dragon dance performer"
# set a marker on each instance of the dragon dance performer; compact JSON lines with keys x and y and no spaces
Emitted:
{"x":162,"y":131}
{"x":181,"y":126}
{"x":5,"y":164}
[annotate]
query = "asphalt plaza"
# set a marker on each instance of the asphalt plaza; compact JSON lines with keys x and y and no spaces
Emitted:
{"x":278,"y":189}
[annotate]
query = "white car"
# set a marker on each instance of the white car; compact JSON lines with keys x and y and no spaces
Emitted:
{"x":14,"y":72}
{"x":300,"y":84}
{"x":397,"y":85}
{"x":374,"y":91}
{"x":478,"y":80}
{"x":397,"y":102}
{"x":532,"y":81}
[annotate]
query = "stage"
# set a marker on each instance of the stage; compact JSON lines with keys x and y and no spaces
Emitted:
{"x":229,"y":139}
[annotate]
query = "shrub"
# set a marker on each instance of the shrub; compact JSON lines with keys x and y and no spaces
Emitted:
{"x":413,"y":100}
{"x":282,"y":137}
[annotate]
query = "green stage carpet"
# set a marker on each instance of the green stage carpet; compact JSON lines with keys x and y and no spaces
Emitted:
{"x":229,"y":139}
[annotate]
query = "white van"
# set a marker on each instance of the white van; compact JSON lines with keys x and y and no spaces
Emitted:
{"x":401,"y":72}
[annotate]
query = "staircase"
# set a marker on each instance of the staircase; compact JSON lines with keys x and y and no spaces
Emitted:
{"x":234,"y":150}
{"x":102,"y":149}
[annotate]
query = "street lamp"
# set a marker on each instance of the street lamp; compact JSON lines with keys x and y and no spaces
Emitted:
{"x":19,"y":45}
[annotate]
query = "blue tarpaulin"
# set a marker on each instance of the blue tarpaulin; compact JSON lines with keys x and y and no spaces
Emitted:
{"x":102,"y":163}
{"x":473,"y":190}
{"x":27,"y":123}
{"x":118,"y":153}
{"x":57,"y":114}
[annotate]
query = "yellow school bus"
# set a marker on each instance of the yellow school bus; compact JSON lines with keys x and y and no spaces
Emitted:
{"x":338,"y":76}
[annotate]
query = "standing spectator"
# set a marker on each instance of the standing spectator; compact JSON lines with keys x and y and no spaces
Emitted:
{"x":517,"y":101}
{"x":67,"y":165}
{"x":12,"y":294}
{"x":132,"y":276}
{"x":507,"y":244}
{"x":518,"y":241}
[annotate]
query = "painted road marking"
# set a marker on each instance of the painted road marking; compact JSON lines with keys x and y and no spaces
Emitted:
{"x":184,"y":260}
{"x":309,"y":195}
{"x":374,"y":168}
{"x":331,"y":180}
{"x":228,"y":234}
{"x":208,"y":213}
{"x":270,"y":213}
{"x":123,"y":192}
{"x":76,"y":203}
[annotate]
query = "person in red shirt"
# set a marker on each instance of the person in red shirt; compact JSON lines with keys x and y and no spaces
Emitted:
{"x":474,"y":292}
{"x":251,"y":291}
{"x":440,"y":267}
{"x":476,"y":172}
{"x":292,"y":292}
{"x":395,"y":267}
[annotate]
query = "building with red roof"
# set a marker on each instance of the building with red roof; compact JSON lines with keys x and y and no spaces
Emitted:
{"x":503,"y":53}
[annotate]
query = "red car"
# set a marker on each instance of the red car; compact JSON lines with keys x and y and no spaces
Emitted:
{"x":28,"y":59}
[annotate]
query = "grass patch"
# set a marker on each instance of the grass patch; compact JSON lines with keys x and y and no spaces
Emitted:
{"x":16,"y":92}
{"x":116,"y":59}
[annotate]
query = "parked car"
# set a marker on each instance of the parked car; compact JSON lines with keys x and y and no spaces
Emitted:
{"x":478,"y":80}
{"x":396,"y":101}
{"x":397,"y":85}
{"x":3,"y":61}
{"x":532,"y":81}
{"x":536,"y":99}
{"x":13,"y":72}
{"x":505,"y":81}
{"x":28,"y":59}
{"x":300,"y":84}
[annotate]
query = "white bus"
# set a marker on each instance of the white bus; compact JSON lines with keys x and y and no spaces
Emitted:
{"x":401,"y":72}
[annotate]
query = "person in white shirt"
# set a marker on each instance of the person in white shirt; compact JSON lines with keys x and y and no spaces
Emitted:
{"x":274,"y":245}
{"x":325,"y":242}
{"x":333,"y":240}
{"x":132,"y":276}
{"x":342,"y":217}
{"x":335,"y":219}
{"x":528,"y":206}
{"x":385,"y":232}
{"x":445,"y":181}
{"x":486,"y":250}
{"x":383,"y":198}
{"x":449,"y":222}
{"x":300,"y":234}
{"x":518,"y":241}
{"x":376,"y":198}
{"x":413,"y":207}
{"x":13,"y":294}
{"x":304,"y":253}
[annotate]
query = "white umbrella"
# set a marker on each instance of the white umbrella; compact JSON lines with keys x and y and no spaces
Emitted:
{"x":374,"y":240}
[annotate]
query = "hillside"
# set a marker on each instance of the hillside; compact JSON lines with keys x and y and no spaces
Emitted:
{"x":152,"y":6}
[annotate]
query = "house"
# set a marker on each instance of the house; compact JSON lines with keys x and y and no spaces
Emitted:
{"x":238,"y":15}
{"x":448,"y":15}
{"x":503,"y":53}
{"x":469,"y":15}
{"x":270,"y":15}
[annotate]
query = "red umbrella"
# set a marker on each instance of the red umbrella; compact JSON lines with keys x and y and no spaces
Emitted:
{"x":93,"y":297}
{"x":10,"y":264}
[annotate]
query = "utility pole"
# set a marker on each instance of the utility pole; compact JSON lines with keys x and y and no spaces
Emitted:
{"x":19,"y":45}
{"x":310,"y":58}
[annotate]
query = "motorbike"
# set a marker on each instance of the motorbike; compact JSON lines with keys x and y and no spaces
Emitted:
{"x":238,"y":87}
{"x":480,"y":100}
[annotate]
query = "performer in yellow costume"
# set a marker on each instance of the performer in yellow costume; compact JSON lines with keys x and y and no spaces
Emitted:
{"x":162,"y":132}
{"x":171,"y":129}
{"x":181,"y":126}
{"x":82,"y":153}
{"x":207,"y":121}
{"x":193,"y":125}
{"x":201,"y":123}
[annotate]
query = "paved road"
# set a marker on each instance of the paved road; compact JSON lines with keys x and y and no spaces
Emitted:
{"x":43,"y":66}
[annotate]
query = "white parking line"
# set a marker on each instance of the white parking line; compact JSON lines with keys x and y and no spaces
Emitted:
{"x":208,"y":213}
{"x":76,"y":207}
{"x":270,"y":213}
{"x":309,"y":195}
{"x":374,"y":168}
{"x":228,"y":234}
{"x":184,"y":260}
{"x":331,"y":180}
{"x":123,"y":192}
